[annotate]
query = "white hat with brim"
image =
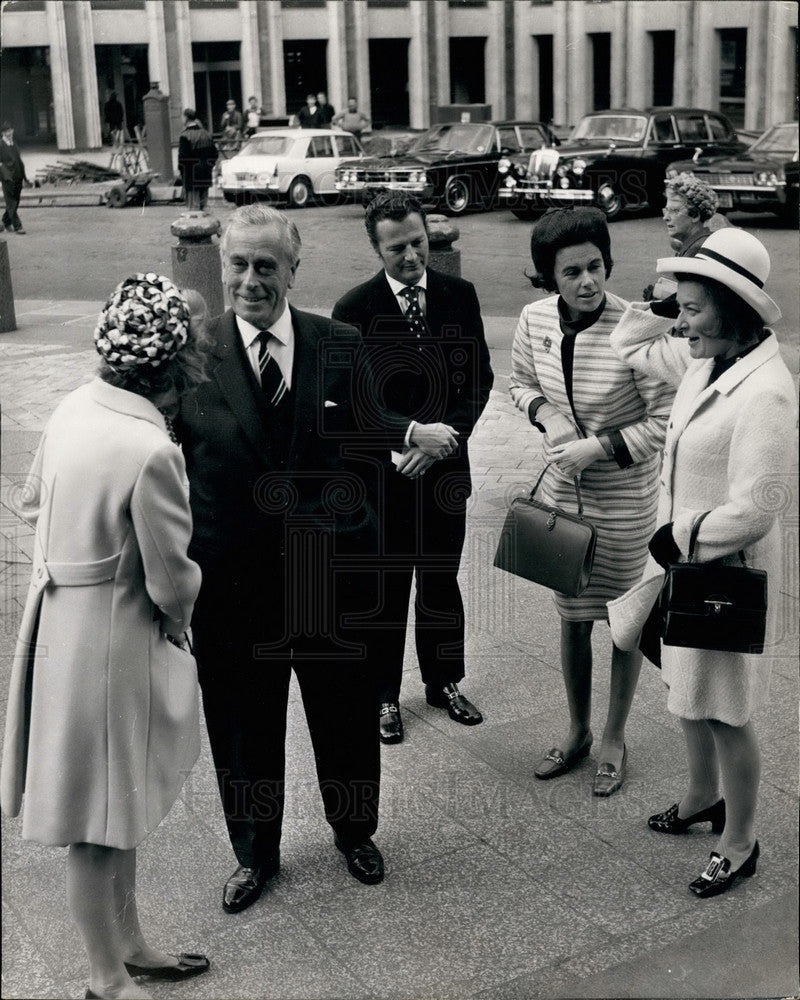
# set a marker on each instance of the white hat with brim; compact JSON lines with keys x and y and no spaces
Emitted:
{"x":628,"y":613}
{"x":737,"y":260}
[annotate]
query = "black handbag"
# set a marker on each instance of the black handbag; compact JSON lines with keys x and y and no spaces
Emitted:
{"x":713,"y":606}
{"x":546,"y":544}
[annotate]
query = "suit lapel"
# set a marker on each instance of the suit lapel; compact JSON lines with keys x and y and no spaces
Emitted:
{"x":236,"y":381}
{"x":306,"y":376}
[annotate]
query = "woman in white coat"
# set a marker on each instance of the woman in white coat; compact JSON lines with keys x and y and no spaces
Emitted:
{"x":728,"y":452}
{"x":103,"y":724}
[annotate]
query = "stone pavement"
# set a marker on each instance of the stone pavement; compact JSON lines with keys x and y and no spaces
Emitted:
{"x":498,"y":887}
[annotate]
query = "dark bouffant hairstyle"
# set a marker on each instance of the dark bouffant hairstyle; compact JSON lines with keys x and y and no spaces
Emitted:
{"x":566,"y":227}
{"x":738,"y":320}
{"x":394,"y":205}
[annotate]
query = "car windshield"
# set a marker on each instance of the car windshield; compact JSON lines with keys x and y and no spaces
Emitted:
{"x":457,"y":138}
{"x":266,"y":145}
{"x":629,"y":128}
{"x":532,"y":137}
{"x":778,"y":139}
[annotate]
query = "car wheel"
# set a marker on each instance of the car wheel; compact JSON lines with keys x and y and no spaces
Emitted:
{"x":228,"y":196}
{"x":455,"y":199}
{"x":299,"y":193}
{"x":609,"y":200}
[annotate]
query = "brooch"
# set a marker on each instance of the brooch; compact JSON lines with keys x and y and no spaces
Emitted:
{"x":547,"y":343}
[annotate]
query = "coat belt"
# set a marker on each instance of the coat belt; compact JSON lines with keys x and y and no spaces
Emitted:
{"x":68,"y":574}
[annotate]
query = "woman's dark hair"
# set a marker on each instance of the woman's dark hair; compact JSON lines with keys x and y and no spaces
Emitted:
{"x":738,"y":320}
{"x":566,"y":227}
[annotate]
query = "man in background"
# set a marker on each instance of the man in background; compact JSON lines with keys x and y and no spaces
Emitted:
{"x":197,"y":156}
{"x":12,"y":173}
{"x":352,"y":120}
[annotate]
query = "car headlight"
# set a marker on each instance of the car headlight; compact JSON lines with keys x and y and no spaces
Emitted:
{"x":562,"y":170}
{"x":503,"y":165}
{"x":765,"y":177}
{"x":564,"y":182}
{"x":510,"y":182}
{"x":520,"y":169}
{"x":578,"y":167}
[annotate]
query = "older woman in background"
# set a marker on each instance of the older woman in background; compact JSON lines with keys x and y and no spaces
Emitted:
{"x":729,"y":448}
{"x":603,"y":423}
{"x":103,"y":723}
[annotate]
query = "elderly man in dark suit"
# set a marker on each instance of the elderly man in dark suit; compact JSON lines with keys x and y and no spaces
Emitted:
{"x":431,"y":371}
{"x":282,"y":528}
{"x":12,"y":175}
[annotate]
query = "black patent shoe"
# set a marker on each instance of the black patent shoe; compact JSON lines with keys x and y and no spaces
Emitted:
{"x":718,"y":877}
{"x":188,"y":965}
{"x":364,"y":860}
{"x":246,"y":884}
{"x":670,"y":821}
{"x":391,"y":723}
{"x":459,"y":708}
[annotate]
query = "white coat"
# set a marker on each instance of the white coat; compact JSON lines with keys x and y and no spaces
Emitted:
{"x":112,"y":727}
{"x":729,"y":450}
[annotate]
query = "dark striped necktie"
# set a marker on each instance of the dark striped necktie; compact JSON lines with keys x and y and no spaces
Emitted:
{"x":273,"y":384}
{"x":414,"y":313}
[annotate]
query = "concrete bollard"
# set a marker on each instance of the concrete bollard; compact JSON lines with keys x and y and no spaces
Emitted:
{"x":442,"y":233}
{"x":195,"y":260}
{"x":8,"y":318}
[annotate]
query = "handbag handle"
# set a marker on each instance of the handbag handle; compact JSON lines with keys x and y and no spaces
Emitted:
{"x":693,"y":539}
{"x":575,"y":482}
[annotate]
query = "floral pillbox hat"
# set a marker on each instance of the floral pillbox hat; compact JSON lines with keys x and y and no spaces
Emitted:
{"x":144,"y":322}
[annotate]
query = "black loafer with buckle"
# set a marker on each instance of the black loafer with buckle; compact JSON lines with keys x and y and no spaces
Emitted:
{"x":670,"y":821}
{"x":391,"y":723}
{"x":459,"y":708}
{"x":718,"y":877}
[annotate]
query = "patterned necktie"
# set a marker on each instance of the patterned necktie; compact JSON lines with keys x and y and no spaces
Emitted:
{"x":273,"y":384}
{"x":414,"y":313}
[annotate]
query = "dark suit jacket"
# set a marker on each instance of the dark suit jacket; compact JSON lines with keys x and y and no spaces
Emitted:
{"x":240,"y":501}
{"x":444,"y":377}
{"x":12,"y":170}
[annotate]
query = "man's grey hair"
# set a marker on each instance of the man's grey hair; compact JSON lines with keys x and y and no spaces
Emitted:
{"x":258,"y":214}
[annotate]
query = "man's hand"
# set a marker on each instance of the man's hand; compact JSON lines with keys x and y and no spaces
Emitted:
{"x":573,"y":457}
{"x":414,"y":462}
{"x":436,"y":440}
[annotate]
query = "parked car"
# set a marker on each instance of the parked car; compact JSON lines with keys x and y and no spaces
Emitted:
{"x":616,"y":160}
{"x":453,"y":165}
{"x":756,"y":180}
{"x":288,"y":164}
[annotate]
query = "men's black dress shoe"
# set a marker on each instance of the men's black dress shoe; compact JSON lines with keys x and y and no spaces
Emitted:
{"x":670,"y":822}
{"x":89,"y":994}
{"x":246,"y":884}
{"x":459,"y":708}
{"x":188,"y":965}
{"x":364,"y":861}
{"x":391,"y":724}
{"x":718,"y":877}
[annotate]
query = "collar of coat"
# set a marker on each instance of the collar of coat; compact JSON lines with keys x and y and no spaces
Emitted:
{"x":745,"y":366}
{"x":125,"y":401}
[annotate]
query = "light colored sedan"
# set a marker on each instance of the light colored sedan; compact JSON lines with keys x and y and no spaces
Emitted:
{"x":294,"y":165}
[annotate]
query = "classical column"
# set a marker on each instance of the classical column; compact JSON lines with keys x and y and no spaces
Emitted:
{"x":276,"y":77}
{"x":782,"y":60}
{"x":183,"y":40}
{"x":361,"y":54}
{"x":705,"y":62}
{"x":495,"y":61}
{"x":683,"y":92}
{"x":418,"y":56}
{"x":637,"y":63}
{"x":88,"y":77}
{"x":157,"y":62}
{"x":623,"y":56}
{"x":441,"y":14}
{"x":337,"y":69}
{"x":526,"y":67}
{"x":59,"y":72}
{"x":561,"y":63}
{"x":579,"y":64}
{"x":755,"y":78}
{"x":249,"y":60}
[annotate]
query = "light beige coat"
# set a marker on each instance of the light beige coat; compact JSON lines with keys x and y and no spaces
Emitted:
{"x":729,"y":449}
{"x":112,"y":727}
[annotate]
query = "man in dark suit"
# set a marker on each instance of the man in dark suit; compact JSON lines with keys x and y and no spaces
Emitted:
{"x":197,"y":157}
{"x":12,"y":175}
{"x":281,"y":529}
{"x":431,"y":372}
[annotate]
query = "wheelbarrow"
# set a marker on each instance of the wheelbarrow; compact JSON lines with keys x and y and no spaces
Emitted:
{"x":133,"y":189}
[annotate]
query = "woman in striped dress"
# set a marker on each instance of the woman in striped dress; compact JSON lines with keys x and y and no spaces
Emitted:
{"x":604,"y":423}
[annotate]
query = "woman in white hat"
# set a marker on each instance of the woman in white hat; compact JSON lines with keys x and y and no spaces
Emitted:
{"x":103,"y":722}
{"x":728,"y":452}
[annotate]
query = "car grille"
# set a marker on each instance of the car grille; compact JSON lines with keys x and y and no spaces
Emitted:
{"x":383,"y":176}
{"x":542,"y":164}
{"x":727,"y":179}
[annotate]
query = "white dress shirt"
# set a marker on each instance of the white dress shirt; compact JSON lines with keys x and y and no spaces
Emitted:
{"x":281,"y":343}
{"x":398,"y":288}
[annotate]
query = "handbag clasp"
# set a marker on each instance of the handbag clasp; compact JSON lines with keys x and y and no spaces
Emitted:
{"x":551,"y":521}
{"x":718,"y":604}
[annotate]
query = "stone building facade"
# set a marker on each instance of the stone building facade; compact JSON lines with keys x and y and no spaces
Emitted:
{"x":404,"y":60}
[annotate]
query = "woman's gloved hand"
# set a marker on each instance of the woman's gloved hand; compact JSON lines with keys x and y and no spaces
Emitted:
{"x":663,"y":548}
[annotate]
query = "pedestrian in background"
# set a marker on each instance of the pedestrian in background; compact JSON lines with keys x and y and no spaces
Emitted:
{"x":114,"y":117}
{"x":728,"y":452}
{"x":12,"y":175}
{"x":352,"y":120}
{"x":427,"y":350}
{"x":603,"y":424}
{"x":231,"y":124}
{"x":197,"y":157}
{"x":282,"y":525}
{"x":326,"y":111}
{"x":310,"y":115}
{"x":103,"y":722}
{"x":252,"y":116}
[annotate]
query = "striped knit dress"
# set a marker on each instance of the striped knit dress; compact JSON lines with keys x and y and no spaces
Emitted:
{"x":607,"y":396}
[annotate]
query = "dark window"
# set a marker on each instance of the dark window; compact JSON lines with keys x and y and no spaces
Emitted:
{"x":467,"y":73}
{"x":117,"y":4}
{"x":26,"y":93}
{"x":388,"y":74}
{"x":305,"y":72}
{"x":387,"y":3}
{"x":508,"y":139}
{"x":22,"y":6}
{"x":719,"y":129}
{"x":732,"y":70}
{"x":211,"y":4}
{"x":320,"y":145}
{"x":347,"y":145}
{"x":662,"y":129}
{"x":692,"y":128}
{"x":217,"y":78}
{"x":663,"y":43}
{"x":601,"y":70}
{"x":544,"y":51}
{"x":467,"y":3}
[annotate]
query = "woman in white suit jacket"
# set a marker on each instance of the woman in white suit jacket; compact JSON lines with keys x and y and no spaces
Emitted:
{"x":102,"y":724}
{"x":728,"y":451}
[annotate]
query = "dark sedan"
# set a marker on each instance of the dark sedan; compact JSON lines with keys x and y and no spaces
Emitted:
{"x":616,"y":160}
{"x":453,"y":165}
{"x":755,"y":181}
